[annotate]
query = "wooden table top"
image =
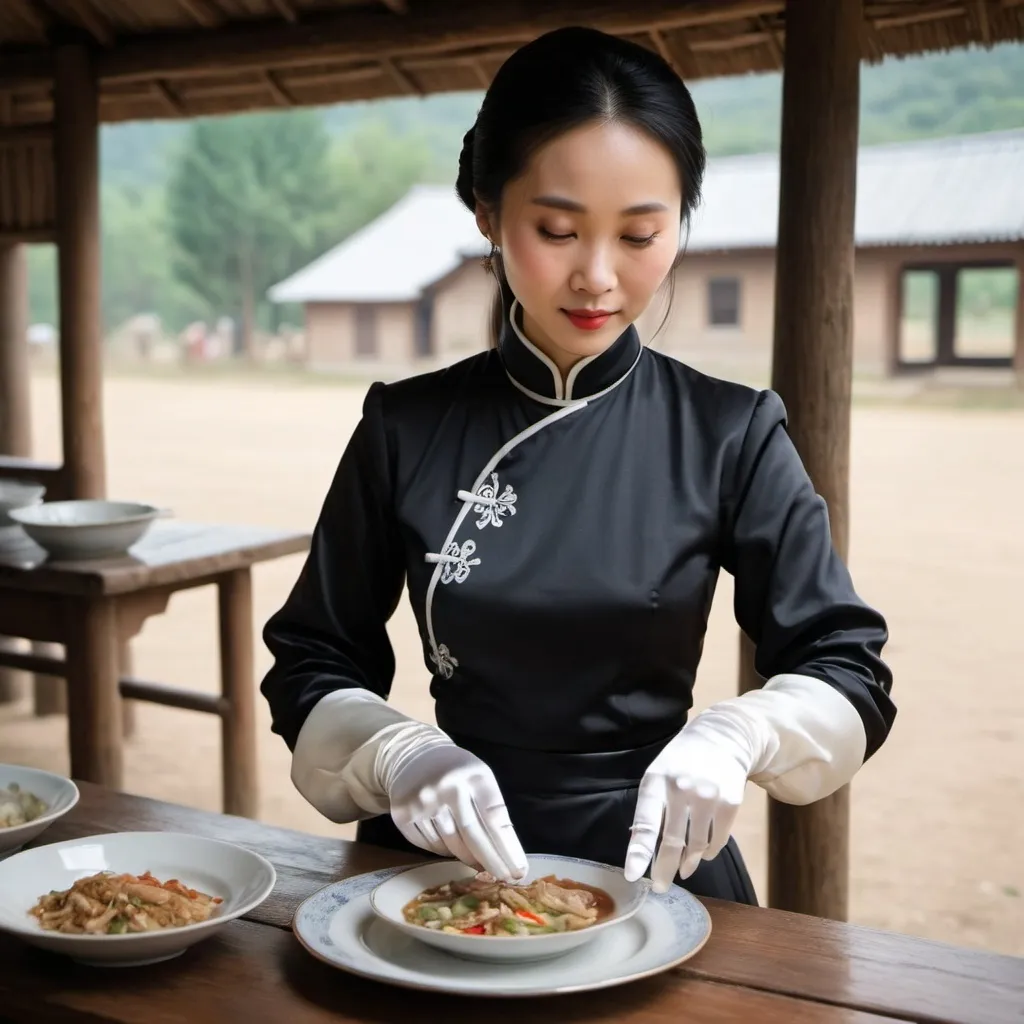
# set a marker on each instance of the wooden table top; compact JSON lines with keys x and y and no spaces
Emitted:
{"x":759,"y":965}
{"x":173,"y":552}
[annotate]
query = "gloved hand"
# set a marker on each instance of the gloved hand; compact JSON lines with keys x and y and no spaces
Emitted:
{"x":696,"y":786}
{"x":796,"y":737}
{"x":446,"y":800}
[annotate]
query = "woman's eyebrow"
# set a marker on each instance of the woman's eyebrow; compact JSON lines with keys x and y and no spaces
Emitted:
{"x":561,"y":203}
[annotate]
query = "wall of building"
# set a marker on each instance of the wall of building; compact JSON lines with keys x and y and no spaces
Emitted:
{"x":461,"y":312}
{"x":331,"y":337}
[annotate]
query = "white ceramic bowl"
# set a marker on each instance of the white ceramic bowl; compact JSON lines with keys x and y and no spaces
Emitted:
{"x":93,"y":528}
{"x":57,"y":792}
{"x":388,"y":899}
{"x":18,"y":494}
{"x":243,"y":880}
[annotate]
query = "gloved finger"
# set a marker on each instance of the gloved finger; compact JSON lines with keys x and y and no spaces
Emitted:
{"x":650,"y":809}
{"x":721,"y":827}
{"x":496,"y":824}
{"x":674,"y":839}
{"x":702,"y":812}
{"x":429,"y":839}
{"x":412,"y":832}
{"x":451,"y":835}
{"x":475,"y":835}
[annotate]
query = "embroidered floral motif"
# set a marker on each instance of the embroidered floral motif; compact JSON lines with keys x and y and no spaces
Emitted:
{"x":458,"y":561}
{"x":494,"y":506}
{"x":442,"y":658}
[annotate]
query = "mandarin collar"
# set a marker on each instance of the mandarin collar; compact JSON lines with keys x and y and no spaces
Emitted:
{"x":537,"y":375}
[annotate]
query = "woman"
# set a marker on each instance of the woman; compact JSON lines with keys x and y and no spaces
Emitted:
{"x":560,"y":507}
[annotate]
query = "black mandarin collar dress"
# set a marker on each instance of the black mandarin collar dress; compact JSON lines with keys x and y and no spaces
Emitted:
{"x":561,"y":547}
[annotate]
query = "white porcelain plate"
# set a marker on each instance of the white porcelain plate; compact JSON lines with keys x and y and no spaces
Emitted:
{"x":338,"y":925}
{"x":241,"y":878}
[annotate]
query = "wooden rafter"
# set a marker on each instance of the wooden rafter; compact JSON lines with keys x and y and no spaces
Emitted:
{"x":285,"y":9}
{"x":169,"y":98}
{"x":773,"y":41}
{"x":31,"y":12}
{"x":396,"y":6}
{"x":84,"y":14}
{"x":658,"y":38}
{"x":360,"y":37}
{"x":204,"y":12}
{"x":282,"y":97}
{"x":401,"y":76}
{"x":983,"y":27}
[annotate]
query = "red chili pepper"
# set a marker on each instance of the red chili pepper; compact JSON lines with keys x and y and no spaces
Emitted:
{"x":477,"y":929}
{"x":531,"y":917}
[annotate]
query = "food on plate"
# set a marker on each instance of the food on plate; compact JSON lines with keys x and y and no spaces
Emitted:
{"x":19,"y":807}
{"x":483,"y":905}
{"x":111,"y":904}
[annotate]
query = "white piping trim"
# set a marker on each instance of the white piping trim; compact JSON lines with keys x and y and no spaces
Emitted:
{"x":469,"y":502}
{"x":559,"y":400}
{"x":546,"y":360}
{"x":570,"y":380}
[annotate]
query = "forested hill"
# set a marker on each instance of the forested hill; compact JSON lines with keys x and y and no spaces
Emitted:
{"x":942,"y":94}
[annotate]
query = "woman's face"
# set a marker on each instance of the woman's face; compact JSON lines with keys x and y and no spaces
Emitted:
{"x":588,"y":233}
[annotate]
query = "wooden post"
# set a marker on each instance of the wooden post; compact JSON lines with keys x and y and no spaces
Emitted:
{"x":812,"y":365}
{"x":1018,"y":323}
{"x":15,"y":399}
{"x":76,"y":173}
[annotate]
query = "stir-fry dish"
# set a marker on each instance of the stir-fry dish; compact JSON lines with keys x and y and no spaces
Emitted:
{"x":482,"y":905}
{"x":110,"y":904}
{"x":18,"y":806}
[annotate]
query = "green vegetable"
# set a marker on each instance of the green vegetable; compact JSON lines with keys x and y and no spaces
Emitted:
{"x":509,"y":924}
{"x":429,"y":914}
{"x":470,"y":901}
{"x":117,"y":927}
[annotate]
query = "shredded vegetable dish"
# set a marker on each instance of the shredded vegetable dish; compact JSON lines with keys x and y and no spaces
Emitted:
{"x":110,"y":904}
{"x":484,"y":906}
{"x":18,"y":806}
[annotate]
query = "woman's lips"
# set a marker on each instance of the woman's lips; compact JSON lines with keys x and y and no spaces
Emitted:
{"x":588,"y":319}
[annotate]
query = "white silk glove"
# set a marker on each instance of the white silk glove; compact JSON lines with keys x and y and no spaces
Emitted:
{"x":796,"y":737}
{"x":446,"y":800}
{"x":357,"y":756}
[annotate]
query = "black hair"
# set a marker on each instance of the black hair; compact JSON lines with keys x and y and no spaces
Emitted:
{"x":560,"y":81}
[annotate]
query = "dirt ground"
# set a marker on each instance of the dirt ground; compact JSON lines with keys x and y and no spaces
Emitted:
{"x":938,"y":814}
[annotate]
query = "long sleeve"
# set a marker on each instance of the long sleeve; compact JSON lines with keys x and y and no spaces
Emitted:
{"x":815,"y":639}
{"x":331,"y":633}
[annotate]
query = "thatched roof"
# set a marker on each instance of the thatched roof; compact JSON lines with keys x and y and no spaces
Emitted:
{"x":181,"y":58}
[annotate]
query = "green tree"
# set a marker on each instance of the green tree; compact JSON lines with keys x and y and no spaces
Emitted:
{"x":250,"y":200}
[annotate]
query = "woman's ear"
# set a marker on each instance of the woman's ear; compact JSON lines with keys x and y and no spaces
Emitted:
{"x":483,"y":222}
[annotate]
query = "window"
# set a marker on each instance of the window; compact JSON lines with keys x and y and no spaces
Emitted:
{"x":724,"y":302}
{"x":366,"y":330}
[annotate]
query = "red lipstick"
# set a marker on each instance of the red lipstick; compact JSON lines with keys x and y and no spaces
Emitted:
{"x":588,"y":319}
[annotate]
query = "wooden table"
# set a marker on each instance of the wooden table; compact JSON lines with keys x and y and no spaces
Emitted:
{"x":759,"y":966}
{"x":94,"y":607}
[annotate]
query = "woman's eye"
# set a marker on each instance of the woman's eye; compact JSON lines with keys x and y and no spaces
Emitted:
{"x":640,"y":242}
{"x":555,"y":238}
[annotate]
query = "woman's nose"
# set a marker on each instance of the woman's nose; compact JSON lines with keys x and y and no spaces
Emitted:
{"x":594,"y":273}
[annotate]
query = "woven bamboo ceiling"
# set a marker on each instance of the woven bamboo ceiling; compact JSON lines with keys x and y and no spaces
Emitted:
{"x":182,"y":58}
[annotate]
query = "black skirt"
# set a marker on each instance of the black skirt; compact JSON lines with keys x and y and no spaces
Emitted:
{"x":578,"y":805}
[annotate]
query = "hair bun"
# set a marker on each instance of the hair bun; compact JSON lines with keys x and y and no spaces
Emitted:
{"x":464,"y":182}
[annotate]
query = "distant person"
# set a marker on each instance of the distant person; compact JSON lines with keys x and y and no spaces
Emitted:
{"x":561,"y":506}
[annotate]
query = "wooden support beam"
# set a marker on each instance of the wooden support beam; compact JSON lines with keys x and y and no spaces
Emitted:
{"x":76,"y":168}
{"x":812,"y":365}
{"x":169,"y":98}
{"x":368,"y":36}
{"x":401,"y":77}
{"x":773,"y":41}
{"x":1018,"y":323}
{"x":984,"y":30}
{"x":15,"y":399}
{"x":32,"y":14}
{"x":282,"y":97}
